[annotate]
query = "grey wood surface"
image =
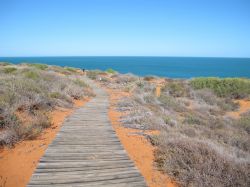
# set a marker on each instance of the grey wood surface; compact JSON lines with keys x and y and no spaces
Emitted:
{"x":86,"y":151}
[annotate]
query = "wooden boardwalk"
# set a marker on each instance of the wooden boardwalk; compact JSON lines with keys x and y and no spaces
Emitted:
{"x":86,"y":151}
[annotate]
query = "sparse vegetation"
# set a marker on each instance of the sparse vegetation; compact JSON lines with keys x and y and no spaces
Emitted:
{"x":198,"y":144}
{"x":34,"y":90}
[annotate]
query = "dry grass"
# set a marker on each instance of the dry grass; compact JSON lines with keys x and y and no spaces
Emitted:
{"x":198,"y":163}
{"x":198,"y":145}
{"x":34,"y":89}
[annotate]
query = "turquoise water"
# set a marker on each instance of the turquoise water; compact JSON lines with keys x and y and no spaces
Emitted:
{"x":173,"y":67}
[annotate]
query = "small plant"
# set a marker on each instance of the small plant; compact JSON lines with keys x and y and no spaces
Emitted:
{"x":31,"y":75}
{"x":110,"y":71}
{"x":140,"y":84}
{"x":55,"y":95}
{"x":170,"y":102}
{"x":148,"y":78}
{"x":194,"y":119}
{"x":93,"y":74}
{"x":169,"y":121}
{"x":9,"y":70}
{"x":176,"y":89}
{"x":73,"y":70}
{"x":39,"y":66}
{"x":80,"y":83}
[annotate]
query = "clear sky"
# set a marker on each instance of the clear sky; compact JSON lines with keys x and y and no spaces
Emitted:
{"x":125,"y":27}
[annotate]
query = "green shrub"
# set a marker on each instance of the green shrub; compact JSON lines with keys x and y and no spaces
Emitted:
{"x":31,"y":75}
{"x":39,"y":66}
{"x":93,"y":74}
{"x":29,"y":132}
{"x":140,"y":84}
{"x":110,"y":71}
{"x":73,"y":70}
{"x":229,"y":87}
{"x":176,"y":89}
{"x":194,"y":119}
{"x":80,"y":83}
{"x":170,"y":103}
{"x":168,"y":121}
{"x":9,"y":70}
{"x":55,"y":95}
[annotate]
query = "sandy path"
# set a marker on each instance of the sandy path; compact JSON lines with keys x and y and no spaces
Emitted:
{"x":17,"y":164}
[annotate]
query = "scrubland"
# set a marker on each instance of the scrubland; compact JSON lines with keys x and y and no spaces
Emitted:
{"x":199,"y":144}
{"x":28,"y":94}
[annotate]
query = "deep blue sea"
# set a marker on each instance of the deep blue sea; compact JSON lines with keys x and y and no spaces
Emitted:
{"x":172,"y":67}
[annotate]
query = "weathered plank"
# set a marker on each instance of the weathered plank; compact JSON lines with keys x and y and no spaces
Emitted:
{"x":86,"y":151}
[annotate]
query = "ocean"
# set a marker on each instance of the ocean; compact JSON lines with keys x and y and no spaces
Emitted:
{"x":172,"y":67}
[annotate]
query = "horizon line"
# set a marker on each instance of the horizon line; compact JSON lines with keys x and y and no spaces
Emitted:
{"x":121,"y":56}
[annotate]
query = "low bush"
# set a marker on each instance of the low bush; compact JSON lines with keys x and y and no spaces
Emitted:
{"x":39,"y":66}
{"x":80,"y":82}
{"x":34,"y":92}
{"x":194,"y":119}
{"x":74,"y":70}
{"x":32,"y":75}
{"x":110,"y":71}
{"x":55,"y":95}
{"x":93,"y":74}
{"x":229,"y":87}
{"x":9,"y":70}
{"x":176,"y":88}
{"x":171,"y":103}
{"x":149,"y":78}
{"x":195,"y":163}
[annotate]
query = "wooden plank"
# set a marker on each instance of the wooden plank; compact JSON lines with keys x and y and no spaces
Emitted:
{"x":86,"y":151}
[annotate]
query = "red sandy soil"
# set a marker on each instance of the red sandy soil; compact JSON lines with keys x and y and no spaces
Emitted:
{"x":138,"y":147}
{"x":17,"y":164}
{"x":244,"y":107}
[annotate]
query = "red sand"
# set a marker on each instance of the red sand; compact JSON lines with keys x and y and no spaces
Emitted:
{"x":18,"y":164}
{"x":244,"y":107}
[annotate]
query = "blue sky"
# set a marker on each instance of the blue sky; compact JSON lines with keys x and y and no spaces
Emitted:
{"x":219,"y":28}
